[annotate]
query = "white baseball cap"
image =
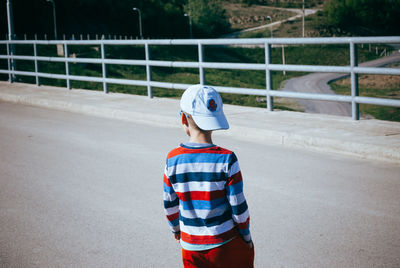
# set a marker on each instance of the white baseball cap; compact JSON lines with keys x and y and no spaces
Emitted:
{"x":204,"y":104}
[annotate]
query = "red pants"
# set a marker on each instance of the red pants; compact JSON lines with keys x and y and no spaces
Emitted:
{"x":235,"y":253}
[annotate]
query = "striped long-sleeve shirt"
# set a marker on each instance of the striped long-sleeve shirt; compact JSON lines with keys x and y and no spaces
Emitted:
{"x":203,"y":195}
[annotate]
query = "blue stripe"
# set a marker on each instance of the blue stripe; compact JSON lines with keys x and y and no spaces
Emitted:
{"x":235,"y":188}
{"x":174,"y":222}
{"x":207,"y":222}
{"x":201,"y":204}
{"x":237,"y":210}
{"x":198,"y":158}
{"x":171,"y":204}
{"x":168,"y":189}
{"x":198,"y":176}
{"x":244,"y":232}
{"x":233,"y":160}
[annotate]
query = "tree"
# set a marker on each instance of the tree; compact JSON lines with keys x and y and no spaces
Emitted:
{"x":248,"y":2}
{"x":208,"y":17}
{"x":365,"y":16}
{"x":160,"y":18}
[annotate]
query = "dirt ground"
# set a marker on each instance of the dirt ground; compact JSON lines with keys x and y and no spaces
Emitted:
{"x":383,"y":82}
{"x":241,"y":17}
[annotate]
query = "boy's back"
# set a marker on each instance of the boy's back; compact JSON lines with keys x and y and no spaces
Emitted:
{"x":208,"y":183}
{"x":203,"y":189}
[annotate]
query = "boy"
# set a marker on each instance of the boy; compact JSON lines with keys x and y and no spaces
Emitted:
{"x":203,"y":190}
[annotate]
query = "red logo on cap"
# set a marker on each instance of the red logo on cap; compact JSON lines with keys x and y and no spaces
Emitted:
{"x":212,"y":106}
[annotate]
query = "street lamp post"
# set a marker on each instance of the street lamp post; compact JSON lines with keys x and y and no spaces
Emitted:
{"x":140,"y":22}
{"x":269,"y":17}
{"x":10,"y":22}
{"x":190,"y":25}
{"x":54,"y":18}
{"x":303,"y":17}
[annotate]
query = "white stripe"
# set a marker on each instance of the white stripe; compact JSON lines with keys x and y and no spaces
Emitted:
{"x":234,"y":169}
{"x":170,"y":211}
{"x":197,"y":167}
{"x":170,"y":197}
{"x":199,"y":186}
{"x":247,"y":237}
{"x":236,"y":199}
{"x":242,"y":217}
{"x":175,"y":228}
{"x":214,"y":230}
{"x":204,"y":213}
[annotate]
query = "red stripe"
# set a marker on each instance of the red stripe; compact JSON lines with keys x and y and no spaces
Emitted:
{"x":166,"y":181}
{"x":173,"y":216}
{"x":211,"y":150}
{"x":235,"y":178}
{"x":200,"y":195}
{"x":208,"y":239}
{"x":175,"y":152}
{"x":245,"y":224}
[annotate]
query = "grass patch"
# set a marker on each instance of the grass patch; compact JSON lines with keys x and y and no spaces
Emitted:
{"x":175,"y":75}
{"x":174,"y":53}
{"x":236,"y":78}
{"x":82,"y":51}
{"x":131,"y":52}
{"x":23,"y":49}
{"x":52,"y":82}
{"x":85,"y":69}
{"x":87,"y":85}
{"x":3,"y":77}
{"x":126,"y":72}
{"x":49,"y":67}
{"x":25,"y":65}
{"x":379,"y":86}
{"x":127,"y":89}
{"x":26,"y":79}
{"x":47,"y":50}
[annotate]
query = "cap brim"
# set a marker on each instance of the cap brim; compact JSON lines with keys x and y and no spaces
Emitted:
{"x":211,"y":122}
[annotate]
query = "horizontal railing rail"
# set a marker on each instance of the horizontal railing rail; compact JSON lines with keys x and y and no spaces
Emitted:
{"x":353,"y":70}
{"x":228,"y":41}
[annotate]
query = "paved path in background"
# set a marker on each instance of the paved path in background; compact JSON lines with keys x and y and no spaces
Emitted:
{"x":299,"y":12}
{"x":319,"y":83}
{"x":82,"y":191}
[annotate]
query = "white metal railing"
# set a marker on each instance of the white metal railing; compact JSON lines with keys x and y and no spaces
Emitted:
{"x":353,"y":69}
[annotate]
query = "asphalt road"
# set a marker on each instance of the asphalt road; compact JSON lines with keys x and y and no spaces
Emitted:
{"x":319,"y":83}
{"x":81,"y":191}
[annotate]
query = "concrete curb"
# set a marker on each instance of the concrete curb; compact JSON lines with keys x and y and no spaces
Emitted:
{"x":316,"y":137}
{"x":319,"y":144}
{"x":137,"y":117}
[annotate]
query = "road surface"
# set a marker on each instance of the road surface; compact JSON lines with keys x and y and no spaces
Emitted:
{"x":319,"y":83}
{"x":81,"y":191}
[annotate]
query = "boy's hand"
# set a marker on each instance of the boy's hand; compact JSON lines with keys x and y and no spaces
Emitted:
{"x":177,"y":236}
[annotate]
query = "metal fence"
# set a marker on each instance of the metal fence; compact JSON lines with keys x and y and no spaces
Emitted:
{"x":353,"y":69}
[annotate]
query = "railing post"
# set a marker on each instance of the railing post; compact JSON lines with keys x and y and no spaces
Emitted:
{"x":36,"y":64}
{"x":355,"y":111}
{"x":67,"y":65}
{"x":103,"y":67}
{"x":9,"y":63}
{"x":201,"y":59}
{"x":268,"y":77}
{"x":148,"y":70}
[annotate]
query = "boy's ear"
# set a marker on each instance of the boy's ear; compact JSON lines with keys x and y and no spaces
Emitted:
{"x":184,"y":120}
